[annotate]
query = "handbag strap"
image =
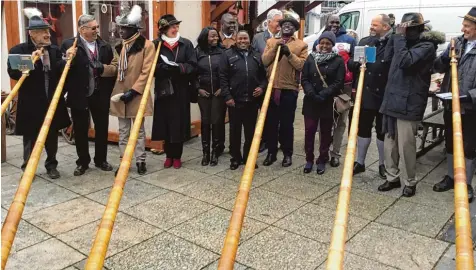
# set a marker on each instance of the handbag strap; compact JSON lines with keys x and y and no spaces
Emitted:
{"x":322,"y":77}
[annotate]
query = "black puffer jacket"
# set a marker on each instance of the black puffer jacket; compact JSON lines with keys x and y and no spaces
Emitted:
{"x":376,"y":74}
{"x":409,"y":78}
{"x":318,"y":100}
{"x":208,"y":63}
{"x":240,"y":75}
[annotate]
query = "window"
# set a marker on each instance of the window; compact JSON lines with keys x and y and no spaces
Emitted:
{"x":350,"y":20}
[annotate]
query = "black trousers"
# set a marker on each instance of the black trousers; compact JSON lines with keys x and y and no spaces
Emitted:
{"x":173,"y":150}
{"x":242,"y":115}
{"x":281,"y":123}
{"x":468,"y":125}
{"x":100,"y":115}
{"x":212,"y":111}
{"x":366,"y":121}
{"x":51,"y":147}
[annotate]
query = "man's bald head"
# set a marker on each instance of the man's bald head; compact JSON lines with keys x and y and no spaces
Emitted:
{"x":333,"y":23}
{"x":380,"y":25}
{"x":228,"y":24}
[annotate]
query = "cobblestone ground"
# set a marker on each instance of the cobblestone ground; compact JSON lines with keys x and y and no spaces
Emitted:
{"x":177,"y":219}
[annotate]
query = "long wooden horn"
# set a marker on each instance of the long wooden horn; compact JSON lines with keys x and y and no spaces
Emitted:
{"x":10,"y":226}
{"x":335,"y":257}
{"x":464,"y":243}
{"x":17,"y":86}
{"x":228,"y":255}
{"x":101,"y":242}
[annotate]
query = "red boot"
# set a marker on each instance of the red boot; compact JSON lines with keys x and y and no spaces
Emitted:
{"x":177,"y":163}
{"x":168,"y":163}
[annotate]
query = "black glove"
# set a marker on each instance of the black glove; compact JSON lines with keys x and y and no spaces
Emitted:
{"x":129,"y":95}
{"x":98,"y":66}
{"x":285,"y":50}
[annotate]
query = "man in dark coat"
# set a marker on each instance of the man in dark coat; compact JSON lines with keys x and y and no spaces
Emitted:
{"x":242,"y":80}
{"x":405,"y":98}
{"x":372,"y":93}
{"x":94,"y":72}
{"x":36,"y":92}
{"x":465,"y":46}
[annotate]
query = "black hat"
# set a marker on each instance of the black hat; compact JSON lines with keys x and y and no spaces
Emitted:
{"x":36,"y":21}
{"x":291,"y":20}
{"x":130,"y":18}
{"x":471,"y":16}
{"x":415,"y":18}
{"x":167,"y":20}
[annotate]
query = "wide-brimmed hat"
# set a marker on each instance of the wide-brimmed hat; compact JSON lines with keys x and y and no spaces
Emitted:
{"x":415,"y":18}
{"x":130,"y":18}
{"x":471,"y":16}
{"x":291,"y":20}
{"x":35,"y":19}
{"x":167,"y":20}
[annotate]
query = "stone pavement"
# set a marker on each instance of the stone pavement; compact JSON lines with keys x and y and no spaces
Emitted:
{"x":177,"y":219}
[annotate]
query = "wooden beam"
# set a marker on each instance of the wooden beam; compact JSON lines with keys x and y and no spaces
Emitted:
{"x":79,"y":10}
{"x":206,"y":16}
{"x":160,"y":8}
{"x":312,"y":5}
{"x":12,"y":26}
{"x":170,"y":7}
{"x":261,"y":17}
{"x":221,"y":9}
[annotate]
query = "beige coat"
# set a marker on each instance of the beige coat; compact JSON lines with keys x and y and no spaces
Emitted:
{"x":139,"y":59}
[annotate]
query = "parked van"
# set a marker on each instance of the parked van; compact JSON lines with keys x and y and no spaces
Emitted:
{"x":444,"y":15}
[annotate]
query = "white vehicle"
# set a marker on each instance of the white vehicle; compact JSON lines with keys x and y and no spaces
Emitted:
{"x":444,"y":15}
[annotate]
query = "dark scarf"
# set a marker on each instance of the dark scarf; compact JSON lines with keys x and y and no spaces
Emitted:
{"x":46,"y":63}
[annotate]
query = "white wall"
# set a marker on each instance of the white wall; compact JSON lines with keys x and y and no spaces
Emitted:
{"x":5,"y":79}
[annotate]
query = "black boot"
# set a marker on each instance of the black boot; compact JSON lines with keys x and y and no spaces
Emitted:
{"x":214,"y":160}
{"x":141,"y":169}
{"x":206,"y":144}
{"x":206,"y":158}
{"x":270,"y":159}
{"x":387,"y":186}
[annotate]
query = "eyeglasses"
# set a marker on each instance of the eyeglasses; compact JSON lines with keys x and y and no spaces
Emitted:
{"x":92,"y":28}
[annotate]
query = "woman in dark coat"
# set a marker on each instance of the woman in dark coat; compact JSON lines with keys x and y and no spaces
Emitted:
{"x":172,"y":90}
{"x":319,"y":98}
{"x":211,"y":103}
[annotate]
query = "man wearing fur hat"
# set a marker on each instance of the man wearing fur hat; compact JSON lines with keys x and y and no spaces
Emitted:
{"x":283,"y":103}
{"x":405,"y":98}
{"x":37,"y":90}
{"x":89,"y":91}
{"x":465,"y":46}
{"x":135,"y":61}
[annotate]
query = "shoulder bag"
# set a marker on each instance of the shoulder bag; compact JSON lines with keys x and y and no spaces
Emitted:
{"x":342,"y":101}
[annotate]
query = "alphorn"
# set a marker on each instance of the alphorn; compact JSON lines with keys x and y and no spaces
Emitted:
{"x":9,"y":228}
{"x":228,"y":255}
{"x":17,"y":86}
{"x":464,"y":243}
{"x":101,"y":242}
{"x":335,"y":257}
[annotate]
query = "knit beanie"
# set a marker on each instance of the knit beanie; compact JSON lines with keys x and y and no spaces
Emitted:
{"x":328,"y":35}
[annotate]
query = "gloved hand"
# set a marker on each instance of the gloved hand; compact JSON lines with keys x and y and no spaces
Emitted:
{"x":98,"y":66}
{"x":129,"y":95}
{"x":285,"y":50}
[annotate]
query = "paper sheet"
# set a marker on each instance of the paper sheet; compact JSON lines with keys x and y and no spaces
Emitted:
{"x":167,"y":61}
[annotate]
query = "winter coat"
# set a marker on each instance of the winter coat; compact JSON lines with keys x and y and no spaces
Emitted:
{"x":342,"y":37}
{"x":289,"y":68}
{"x":466,"y":72}
{"x":77,"y":86}
{"x":139,"y":63}
{"x":409,"y":78}
{"x":207,"y":77}
{"x":33,"y":102}
{"x":376,"y":74}
{"x":172,"y":114}
{"x":227,"y":42}
{"x":240,"y":75}
{"x":333,"y":72}
{"x":259,"y":41}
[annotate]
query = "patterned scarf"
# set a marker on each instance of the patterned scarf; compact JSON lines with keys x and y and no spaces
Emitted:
{"x":322,"y":57}
{"x":126,"y":46}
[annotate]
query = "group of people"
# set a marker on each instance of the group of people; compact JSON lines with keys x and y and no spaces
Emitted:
{"x":227,"y":70}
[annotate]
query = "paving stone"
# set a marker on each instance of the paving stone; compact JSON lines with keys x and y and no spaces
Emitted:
{"x":298,"y":187}
{"x":356,"y":262}
{"x":190,"y":154}
{"x":397,"y":248}
{"x":9,"y":169}
{"x":362,"y":204}
{"x":93,"y":180}
{"x":195,"y":143}
{"x":164,"y":251}
{"x":448,"y":261}
{"x":209,"y":229}
{"x":12,"y":140}
{"x":278,"y":249}
{"x":266,"y":206}
{"x":135,"y":192}
{"x":196,"y":164}
{"x":316,"y":222}
{"x":82,"y":265}
{"x":214,"y":190}
{"x":168,"y":210}
{"x":127,"y":232}
{"x":66,"y":216}
{"x":153,"y":165}
{"x":426,"y":196}
{"x":65,"y":168}
{"x":42,"y":194}
{"x":332,"y":176}
{"x":214,"y":266}
{"x":369,"y":181}
{"x":70,"y":268}
{"x":172,"y":179}
{"x":27,"y":235}
{"x":450,"y":234}
{"x":16,"y":159}
{"x":437,"y":174}
{"x":52,"y":254}
{"x":433,"y":157}
{"x":416,"y":218}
